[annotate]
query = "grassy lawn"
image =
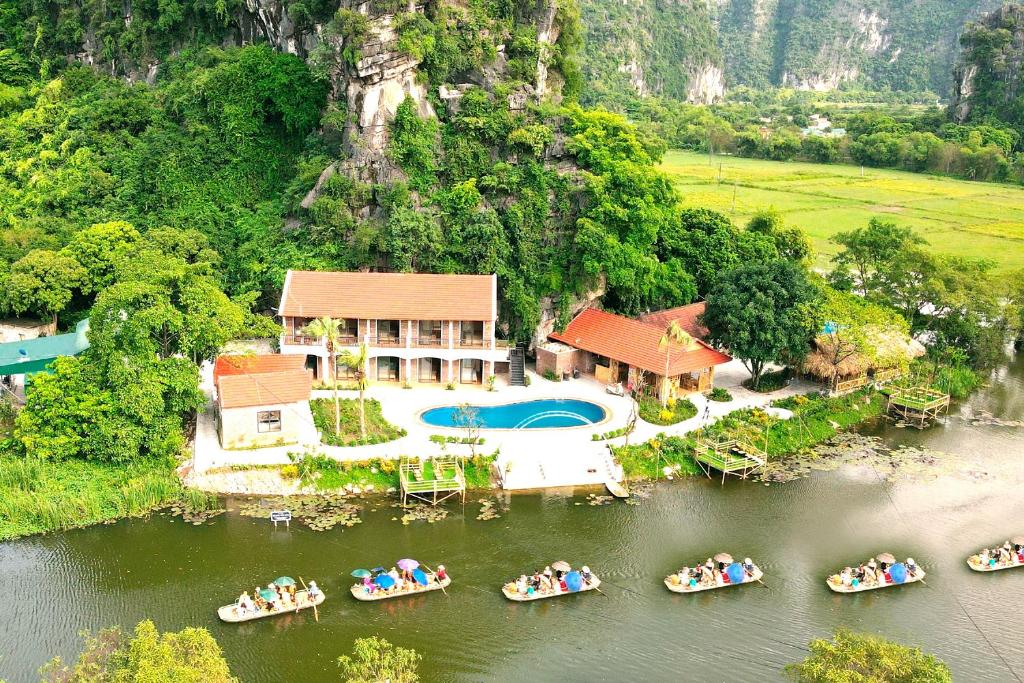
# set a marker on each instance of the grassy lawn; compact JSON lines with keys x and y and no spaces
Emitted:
{"x":958,"y":217}
{"x":676,"y":411}
{"x":378,"y":430}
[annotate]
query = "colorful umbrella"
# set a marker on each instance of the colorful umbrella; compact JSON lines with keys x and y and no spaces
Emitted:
{"x":561,"y":566}
{"x":268,"y":595}
{"x":284,"y":581}
{"x":573,"y":581}
{"x":384,"y":581}
{"x":735,"y":573}
{"x":420,"y":577}
{"x":361,"y":573}
{"x":407,"y":564}
{"x":886,"y":557}
{"x":724,"y":558}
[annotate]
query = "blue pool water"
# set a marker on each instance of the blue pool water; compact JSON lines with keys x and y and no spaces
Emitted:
{"x":544,"y":414}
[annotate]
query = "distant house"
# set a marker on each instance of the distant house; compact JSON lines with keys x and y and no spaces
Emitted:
{"x":618,"y":349}
{"x":418,"y":328}
{"x":29,"y":354}
{"x":262,"y":400}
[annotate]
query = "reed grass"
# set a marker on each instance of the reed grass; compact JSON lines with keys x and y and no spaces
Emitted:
{"x":38,"y":496}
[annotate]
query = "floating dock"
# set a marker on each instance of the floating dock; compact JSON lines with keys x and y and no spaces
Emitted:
{"x":917,"y":406}
{"x":729,"y":456}
{"x":433,"y":481}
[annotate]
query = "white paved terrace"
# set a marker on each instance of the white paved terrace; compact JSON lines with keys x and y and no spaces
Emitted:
{"x":528,"y":458}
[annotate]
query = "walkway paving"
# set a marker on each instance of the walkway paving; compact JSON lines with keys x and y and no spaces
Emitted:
{"x":527,"y":459}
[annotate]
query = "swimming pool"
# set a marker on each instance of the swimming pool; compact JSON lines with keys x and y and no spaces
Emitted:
{"x":542,"y":414}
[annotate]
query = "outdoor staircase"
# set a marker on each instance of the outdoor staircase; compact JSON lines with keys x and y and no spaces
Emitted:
{"x":517,"y":367}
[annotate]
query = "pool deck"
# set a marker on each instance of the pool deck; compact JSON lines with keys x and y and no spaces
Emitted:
{"x":528,"y":458}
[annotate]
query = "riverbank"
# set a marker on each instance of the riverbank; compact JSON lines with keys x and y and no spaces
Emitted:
{"x":38,"y":496}
{"x":813,"y":420}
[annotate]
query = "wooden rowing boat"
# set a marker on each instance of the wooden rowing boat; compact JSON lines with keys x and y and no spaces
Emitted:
{"x":514,"y":595}
{"x":685,"y":588}
{"x":230,"y":614}
{"x":974,"y":562}
{"x":616,"y":489}
{"x":837,"y":585}
{"x":359,"y":593}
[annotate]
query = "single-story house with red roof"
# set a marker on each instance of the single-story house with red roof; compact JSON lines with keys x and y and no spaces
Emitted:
{"x":262,"y":400}
{"x":618,"y":349}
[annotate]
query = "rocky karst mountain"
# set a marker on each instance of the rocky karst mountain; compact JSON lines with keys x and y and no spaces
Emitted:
{"x":989,"y":78}
{"x":694,"y":49}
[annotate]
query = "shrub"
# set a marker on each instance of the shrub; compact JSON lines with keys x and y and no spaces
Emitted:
{"x":770,"y":381}
{"x":290,"y":472}
{"x":719,"y":394}
{"x":651,"y":411}
{"x":864,"y":657}
{"x":551,"y":376}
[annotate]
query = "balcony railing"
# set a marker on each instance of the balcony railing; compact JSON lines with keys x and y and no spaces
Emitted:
{"x":303,"y":340}
{"x":431,"y":342}
{"x":392,"y":342}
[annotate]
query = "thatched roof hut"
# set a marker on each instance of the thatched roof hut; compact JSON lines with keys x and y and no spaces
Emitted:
{"x":837,"y":357}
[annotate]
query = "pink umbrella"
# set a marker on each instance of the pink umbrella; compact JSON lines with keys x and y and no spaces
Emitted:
{"x":407,"y":564}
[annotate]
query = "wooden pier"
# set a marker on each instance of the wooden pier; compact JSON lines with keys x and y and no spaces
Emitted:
{"x":729,"y":456}
{"x":917,"y":406}
{"x":433,"y":481}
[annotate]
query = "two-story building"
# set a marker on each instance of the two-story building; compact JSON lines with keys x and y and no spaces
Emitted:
{"x":418,"y":328}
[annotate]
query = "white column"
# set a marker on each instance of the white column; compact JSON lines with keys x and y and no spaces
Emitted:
{"x":408,"y":370}
{"x":408,"y":334}
{"x":451,"y":334}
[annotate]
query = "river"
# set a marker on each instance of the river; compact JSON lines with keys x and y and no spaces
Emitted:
{"x":177,"y":574}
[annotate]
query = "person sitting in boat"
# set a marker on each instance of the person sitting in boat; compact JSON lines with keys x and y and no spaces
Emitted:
{"x":547,"y":584}
{"x":1006,"y":554}
{"x":846,"y":577}
{"x":585,"y":573}
{"x":911,"y":567}
{"x":244,"y":603}
{"x":984,"y":556}
{"x":698,"y":574}
{"x":749,"y":567}
{"x":314,"y":591}
{"x":441,"y":574}
{"x":1019,"y":548}
{"x":521,"y":585}
{"x":275,"y":599}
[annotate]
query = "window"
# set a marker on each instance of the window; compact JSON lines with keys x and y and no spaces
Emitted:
{"x":350,"y":329}
{"x":268,"y":421}
{"x":346,"y":373}
{"x":472,"y":333}
{"x":389,"y":329}
{"x":430,"y":331}
{"x":471,"y":371}
{"x":387,"y":369}
{"x":430,"y":369}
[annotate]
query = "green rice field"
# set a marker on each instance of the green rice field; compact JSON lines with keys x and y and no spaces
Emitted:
{"x":959,"y":217}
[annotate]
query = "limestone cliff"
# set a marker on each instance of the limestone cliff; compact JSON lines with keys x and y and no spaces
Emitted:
{"x":989,"y":77}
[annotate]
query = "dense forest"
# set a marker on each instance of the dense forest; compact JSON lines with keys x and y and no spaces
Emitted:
{"x":163,"y":164}
{"x":696,"y":50}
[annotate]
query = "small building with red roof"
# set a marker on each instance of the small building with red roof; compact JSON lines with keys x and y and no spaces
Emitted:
{"x":617,"y":349}
{"x":262,"y":400}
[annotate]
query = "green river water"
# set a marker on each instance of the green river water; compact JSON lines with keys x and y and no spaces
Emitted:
{"x":177,"y":574}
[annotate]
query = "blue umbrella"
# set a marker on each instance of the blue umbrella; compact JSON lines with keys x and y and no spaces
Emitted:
{"x":384,"y":581}
{"x":573,"y":581}
{"x":735,"y":573}
{"x":898,"y":572}
{"x":420,"y":577}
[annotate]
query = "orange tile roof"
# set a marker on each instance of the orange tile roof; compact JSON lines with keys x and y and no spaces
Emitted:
{"x":635,"y":343}
{"x":389,"y":296}
{"x":254,"y":364}
{"x":269,"y":388}
{"x":686,"y":316}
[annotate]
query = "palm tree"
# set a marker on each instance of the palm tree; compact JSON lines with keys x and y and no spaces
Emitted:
{"x":674,"y":334}
{"x":329,"y":330}
{"x":357,"y":361}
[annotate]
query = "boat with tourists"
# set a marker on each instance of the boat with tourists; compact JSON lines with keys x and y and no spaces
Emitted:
{"x":882,"y":571}
{"x":721,"y":571}
{"x":407,"y":577}
{"x":558,"y":578}
{"x":1006,"y":556}
{"x":279,"y":597}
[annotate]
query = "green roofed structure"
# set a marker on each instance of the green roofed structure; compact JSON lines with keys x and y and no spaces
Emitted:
{"x":28,"y":356}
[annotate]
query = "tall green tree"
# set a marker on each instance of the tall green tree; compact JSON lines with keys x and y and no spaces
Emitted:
{"x":328,"y":330}
{"x":864,"y":658}
{"x":866,"y":251}
{"x":375,"y":659}
{"x":112,"y":656}
{"x":100,"y":249}
{"x":357,"y":362}
{"x":763,"y":313}
{"x":43,"y":282}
